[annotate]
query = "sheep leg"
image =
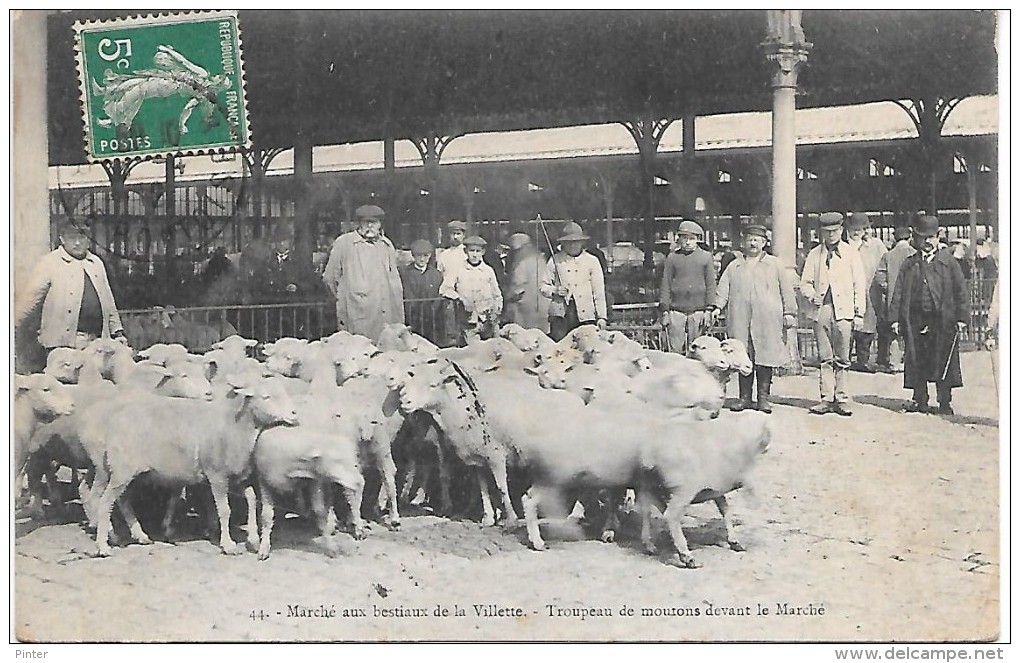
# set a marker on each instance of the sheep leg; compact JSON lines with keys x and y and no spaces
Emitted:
{"x":644,"y":506}
{"x":53,"y":488}
{"x":128,"y":511}
{"x":218,"y":486}
{"x":498,"y":468}
{"x":388,"y":470}
{"x":104,"y":510}
{"x":613,"y":500}
{"x":171,"y":512}
{"x":352,"y":484}
{"x":530,"y":501}
{"x":267,"y":520}
{"x":409,"y":476}
{"x":91,"y":496}
{"x":674,"y":515}
{"x":724,"y":511}
{"x":251,"y":525}
{"x":323,"y":520}
{"x":488,"y":516}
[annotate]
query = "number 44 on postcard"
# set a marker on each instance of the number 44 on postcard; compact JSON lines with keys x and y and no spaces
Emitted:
{"x":161,"y":85}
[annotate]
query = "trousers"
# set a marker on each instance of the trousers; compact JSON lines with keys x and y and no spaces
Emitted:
{"x":833,"y":338}
{"x":682,"y":328}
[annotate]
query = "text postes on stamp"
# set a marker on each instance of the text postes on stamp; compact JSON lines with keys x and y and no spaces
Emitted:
{"x":160,"y":85}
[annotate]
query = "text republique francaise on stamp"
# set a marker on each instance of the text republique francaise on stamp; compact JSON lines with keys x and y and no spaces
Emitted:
{"x":162,"y":85}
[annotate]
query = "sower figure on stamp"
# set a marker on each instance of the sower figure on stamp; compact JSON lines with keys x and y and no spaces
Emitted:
{"x":688,"y":288}
{"x":761,"y":304}
{"x":834,"y":282}
{"x":69,"y":299}
{"x":362,"y":275}
{"x":930,"y":308}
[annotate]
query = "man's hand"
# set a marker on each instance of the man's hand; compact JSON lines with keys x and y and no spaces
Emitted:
{"x":858,"y":322}
{"x":713,"y":316}
{"x":601,"y":323}
{"x":895,"y":328}
{"x":961,"y":327}
{"x":120,"y":338}
{"x":818,"y":300}
{"x":563,"y":291}
{"x":665,"y":319}
{"x":789,"y":321}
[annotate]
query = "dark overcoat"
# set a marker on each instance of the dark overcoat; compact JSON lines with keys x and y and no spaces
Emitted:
{"x":949,"y":292}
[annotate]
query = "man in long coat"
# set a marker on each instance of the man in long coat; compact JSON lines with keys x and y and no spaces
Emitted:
{"x":525,"y":305}
{"x":362,"y":275}
{"x":882,"y":288}
{"x":762,"y":304}
{"x":930,"y":308}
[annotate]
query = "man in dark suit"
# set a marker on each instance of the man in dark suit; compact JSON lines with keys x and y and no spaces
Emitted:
{"x":930,"y":308}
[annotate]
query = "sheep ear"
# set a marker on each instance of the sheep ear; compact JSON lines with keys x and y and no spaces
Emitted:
{"x":391,"y":404}
{"x":530,"y":371}
{"x":250,"y":343}
{"x":22,"y":382}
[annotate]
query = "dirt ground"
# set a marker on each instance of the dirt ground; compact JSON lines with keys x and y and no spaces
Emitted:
{"x":882,"y":526}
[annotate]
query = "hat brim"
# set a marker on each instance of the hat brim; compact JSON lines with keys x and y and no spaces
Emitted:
{"x":833,"y":226}
{"x":573,"y":238}
{"x":925,"y":233}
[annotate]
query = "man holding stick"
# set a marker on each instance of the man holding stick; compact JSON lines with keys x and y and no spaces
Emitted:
{"x":930,"y":308}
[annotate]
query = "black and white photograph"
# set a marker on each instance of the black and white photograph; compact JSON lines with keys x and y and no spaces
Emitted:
{"x":510,"y":326}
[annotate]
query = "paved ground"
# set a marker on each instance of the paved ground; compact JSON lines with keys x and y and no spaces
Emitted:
{"x":883,"y":526}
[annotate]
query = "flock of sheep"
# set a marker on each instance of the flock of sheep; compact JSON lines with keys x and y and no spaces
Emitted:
{"x":346,"y":429}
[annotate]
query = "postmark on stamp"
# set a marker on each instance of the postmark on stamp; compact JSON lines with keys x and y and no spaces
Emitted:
{"x":160,"y":85}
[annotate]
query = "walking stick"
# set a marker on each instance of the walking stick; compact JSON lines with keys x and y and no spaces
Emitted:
{"x":556,"y":268}
{"x":995,"y":377}
{"x":949,"y":359}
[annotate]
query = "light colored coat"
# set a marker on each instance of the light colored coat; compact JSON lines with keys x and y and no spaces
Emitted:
{"x":363,"y":277}
{"x":582,"y":275}
{"x":476,"y":287}
{"x":58,"y":283}
{"x":759,"y":293}
{"x":531,"y":311}
{"x":451,"y":258}
{"x":870,"y":252}
{"x":845,"y":275}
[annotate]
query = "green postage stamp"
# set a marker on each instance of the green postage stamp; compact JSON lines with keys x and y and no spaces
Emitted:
{"x":161,"y":85}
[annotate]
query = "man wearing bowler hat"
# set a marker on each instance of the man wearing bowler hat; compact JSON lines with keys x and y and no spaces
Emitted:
{"x":574,"y":283}
{"x":362,"y":274}
{"x":762,"y":305}
{"x":930,"y":308}
{"x":835,"y":283}
{"x":882,"y":289}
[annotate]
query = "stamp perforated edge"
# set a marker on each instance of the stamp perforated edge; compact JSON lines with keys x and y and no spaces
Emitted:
{"x":151,"y":19}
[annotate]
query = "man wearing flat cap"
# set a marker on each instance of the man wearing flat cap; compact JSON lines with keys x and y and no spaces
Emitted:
{"x":835,"y":283}
{"x":574,"y":284}
{"x":870,"y":249}
{"x":474,"y":292}
{"x":454,"y":255}
{"x":421,"y":282}
{"x":68,"y":302}
{"x":930,"y":308}
{"x":761,"y":304}
{"x":882,"y":288}
{"x":362,"y":274}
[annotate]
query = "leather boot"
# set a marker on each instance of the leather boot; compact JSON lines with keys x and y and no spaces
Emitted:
{"x":764,"y":376}
{"x":746,"y":383}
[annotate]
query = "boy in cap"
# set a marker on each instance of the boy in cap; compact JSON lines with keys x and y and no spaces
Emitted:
{"x":930,"y":307}
{"x":421,"y":282}
{"x":475,"y":292}
{"x":835,"y":283}
{"x":573,"y":280}
{"x":362,"y":274}
{"x":870,"y":250}
{"x":762,"y":305}
{"x":454,"y":255}
{"x":688,"y":288}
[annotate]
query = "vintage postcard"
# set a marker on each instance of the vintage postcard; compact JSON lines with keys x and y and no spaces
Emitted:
{"x":420,"y":326}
